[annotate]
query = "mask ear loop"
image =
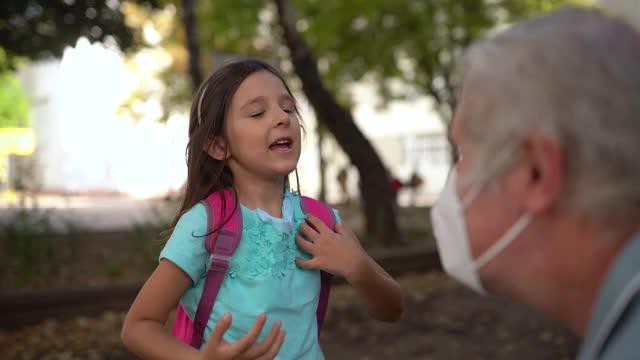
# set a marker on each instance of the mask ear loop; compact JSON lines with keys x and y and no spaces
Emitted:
{"x":475,"y":190}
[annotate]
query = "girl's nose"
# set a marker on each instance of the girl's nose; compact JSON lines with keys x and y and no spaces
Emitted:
{"x":283,"y":118}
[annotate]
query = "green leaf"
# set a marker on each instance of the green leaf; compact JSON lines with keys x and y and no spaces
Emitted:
{"x":14,"y":104}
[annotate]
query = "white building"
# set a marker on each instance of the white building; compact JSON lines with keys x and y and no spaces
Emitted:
{"x":82,"y":146}
{"x":408,"y":136}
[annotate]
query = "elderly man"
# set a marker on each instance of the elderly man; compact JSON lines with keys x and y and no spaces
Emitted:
{"x":544,"y":202}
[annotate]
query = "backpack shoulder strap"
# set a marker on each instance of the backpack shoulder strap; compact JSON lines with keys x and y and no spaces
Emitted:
{"x":221,"y":243}
{"x":320,"y":210}
{"x":323,"y":212}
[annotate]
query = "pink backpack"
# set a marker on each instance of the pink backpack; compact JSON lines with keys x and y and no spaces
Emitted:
{"x":221,"y":246}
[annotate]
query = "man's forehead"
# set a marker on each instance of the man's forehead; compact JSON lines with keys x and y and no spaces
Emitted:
{"x":454,"y":131}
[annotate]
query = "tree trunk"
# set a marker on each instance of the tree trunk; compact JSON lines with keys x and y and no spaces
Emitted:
{"x":189,"y":19}
{"x":322,"y":196}
{"x":381,"y":222}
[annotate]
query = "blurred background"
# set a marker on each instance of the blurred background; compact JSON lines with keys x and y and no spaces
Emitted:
{"x":94,"y":101}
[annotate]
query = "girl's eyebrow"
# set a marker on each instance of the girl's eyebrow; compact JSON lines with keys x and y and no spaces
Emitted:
{"x":257,"y":99}
{"x":286,"y":97}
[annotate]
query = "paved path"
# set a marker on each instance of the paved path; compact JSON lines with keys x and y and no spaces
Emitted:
{"x":98,"y":213}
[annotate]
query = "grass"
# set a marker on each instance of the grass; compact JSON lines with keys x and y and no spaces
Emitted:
{"x":32,"y":245}
{"x":38,"y":254}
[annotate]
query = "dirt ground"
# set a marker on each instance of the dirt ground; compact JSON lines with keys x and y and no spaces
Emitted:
{"x":443,"y":321}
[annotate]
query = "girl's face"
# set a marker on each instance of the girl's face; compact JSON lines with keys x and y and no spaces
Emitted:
{"x":263,"y":129}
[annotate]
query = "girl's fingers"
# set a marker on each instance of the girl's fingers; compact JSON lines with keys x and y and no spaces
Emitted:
{"x":304,"y":244}
{"x":250,"y":338}
{"x":275,"y":347}
{"x":218,"y":331}
{"x":347,"y":234}
{"x":316,"y":223}
{"x":308,"y":231}
{"x":260,"y":349}
{"x":307,"y":264}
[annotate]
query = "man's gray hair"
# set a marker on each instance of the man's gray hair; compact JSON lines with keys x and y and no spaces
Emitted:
{"x":573,"y":76}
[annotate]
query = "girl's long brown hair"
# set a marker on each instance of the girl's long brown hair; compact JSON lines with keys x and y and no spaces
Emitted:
{"x":207,"y":118}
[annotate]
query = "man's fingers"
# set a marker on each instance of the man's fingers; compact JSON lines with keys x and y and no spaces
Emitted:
{"x":275,"y":347}
{"x":250,"y":337}
{"x":260,"y":349}
{"x":307,"y":264}
{"x":304,"y":244}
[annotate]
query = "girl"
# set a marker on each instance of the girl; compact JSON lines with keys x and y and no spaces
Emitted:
{"x":244,"y":134}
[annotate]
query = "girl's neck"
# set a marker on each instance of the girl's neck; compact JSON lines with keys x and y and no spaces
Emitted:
{"x":266,"y":195}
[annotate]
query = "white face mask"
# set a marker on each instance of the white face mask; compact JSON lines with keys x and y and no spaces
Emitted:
{"x":447,"y":217}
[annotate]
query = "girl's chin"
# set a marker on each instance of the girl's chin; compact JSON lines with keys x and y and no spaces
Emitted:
{"x":281,"y":173}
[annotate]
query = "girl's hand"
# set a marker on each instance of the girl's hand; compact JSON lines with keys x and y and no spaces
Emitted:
{"x":337,"y":252}
{"x":341,"y":253}
{"x":217,"y":348}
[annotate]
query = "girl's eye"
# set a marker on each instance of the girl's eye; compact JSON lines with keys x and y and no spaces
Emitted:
{"x":289,"y":111}
{"x":257,"y":114}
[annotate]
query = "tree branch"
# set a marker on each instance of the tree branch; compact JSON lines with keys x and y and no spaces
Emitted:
{"x":192,"y":43}
{"x":376,"y":192}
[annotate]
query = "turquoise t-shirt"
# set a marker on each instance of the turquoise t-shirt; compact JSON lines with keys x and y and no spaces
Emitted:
{"x":262,"y":278}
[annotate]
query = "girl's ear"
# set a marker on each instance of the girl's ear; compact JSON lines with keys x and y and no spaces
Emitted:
{"x":216,"y":147}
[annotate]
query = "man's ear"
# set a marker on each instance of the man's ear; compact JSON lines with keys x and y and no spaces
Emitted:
{"x":216,"y":147}
{"x":546,"y":175}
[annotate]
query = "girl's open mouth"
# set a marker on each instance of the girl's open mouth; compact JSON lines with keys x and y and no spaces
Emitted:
{"x":282,"y":144}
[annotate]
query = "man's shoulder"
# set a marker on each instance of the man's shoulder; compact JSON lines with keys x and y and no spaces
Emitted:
{"x":624,"y":342}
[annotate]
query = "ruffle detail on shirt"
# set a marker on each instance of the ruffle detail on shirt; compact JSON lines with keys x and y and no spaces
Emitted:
{"x":266,"y":251}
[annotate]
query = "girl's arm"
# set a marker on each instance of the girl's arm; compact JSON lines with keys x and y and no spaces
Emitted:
{"x":340,"y":253}
{"x":143,"y":331}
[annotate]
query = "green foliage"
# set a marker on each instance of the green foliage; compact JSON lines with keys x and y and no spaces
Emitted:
{"x":27,"y":240}
{"x":144,"y":241}
{"x":168,"y":83}
{"x":232,"y":27}
{"x":407,"y":48}
{"x":416,"y":42}
{"x":30,"y":236}
{"x":40,"y":28}
{"x":6,"y":60}
{"x":144,"y":237}
{"x":14,"y":104}
{"x":32,"y":244}
{"x":113,"y":268}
